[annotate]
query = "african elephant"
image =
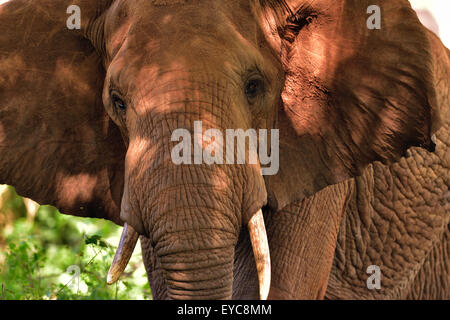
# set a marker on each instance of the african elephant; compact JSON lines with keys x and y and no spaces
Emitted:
{"x":87,"y":117}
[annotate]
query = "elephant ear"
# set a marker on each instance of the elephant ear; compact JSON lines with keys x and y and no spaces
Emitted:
{"x":57,"y":144}
{"x":353,"y":94}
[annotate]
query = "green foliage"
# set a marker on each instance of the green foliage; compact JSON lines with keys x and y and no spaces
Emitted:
{"x":24,"y":261}
{"x":40,"y":257}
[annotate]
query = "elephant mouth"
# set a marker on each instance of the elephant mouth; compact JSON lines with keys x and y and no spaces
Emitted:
{"x":258,"y":237}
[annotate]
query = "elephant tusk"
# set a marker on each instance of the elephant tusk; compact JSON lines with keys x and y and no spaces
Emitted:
{"x":127,"y":243}
{"x":260,"y":244}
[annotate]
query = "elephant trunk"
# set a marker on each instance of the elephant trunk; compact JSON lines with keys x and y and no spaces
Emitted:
{"x":197,"y":269}
{"x":192,"y":213}
{"x":213,"y":278}
{"x":259,"y":243}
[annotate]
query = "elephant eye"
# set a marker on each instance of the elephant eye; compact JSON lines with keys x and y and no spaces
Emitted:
{"x":118,"y":103}
{"x":295,"y":23}
{"x":253,"y":89}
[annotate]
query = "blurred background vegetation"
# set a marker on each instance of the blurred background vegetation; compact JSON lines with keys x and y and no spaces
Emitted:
{"x":42,"y":251}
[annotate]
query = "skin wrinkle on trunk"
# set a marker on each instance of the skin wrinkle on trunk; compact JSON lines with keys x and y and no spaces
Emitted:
{"x":204,"y":272}
{"x":191,"y":213}
{"x":172,"y":225}
{"x":155,"y":273}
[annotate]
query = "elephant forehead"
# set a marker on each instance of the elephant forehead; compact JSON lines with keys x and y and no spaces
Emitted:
{"x":168,"y":18}
{"x":168,"y":2}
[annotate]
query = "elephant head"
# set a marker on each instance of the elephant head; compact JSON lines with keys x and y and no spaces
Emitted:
{"x":88,"y":116}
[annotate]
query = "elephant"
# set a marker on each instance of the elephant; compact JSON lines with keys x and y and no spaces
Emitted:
{"x":88,"y":113}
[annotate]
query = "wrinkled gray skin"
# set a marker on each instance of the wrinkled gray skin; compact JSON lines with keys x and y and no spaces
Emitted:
{"x":398,"y":218}
{"x":340,"y":105}
{"x":395,"y":217}
{"x":391,"y":207}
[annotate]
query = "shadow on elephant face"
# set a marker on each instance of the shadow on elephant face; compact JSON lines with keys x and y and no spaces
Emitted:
{"x":87,"y":115}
